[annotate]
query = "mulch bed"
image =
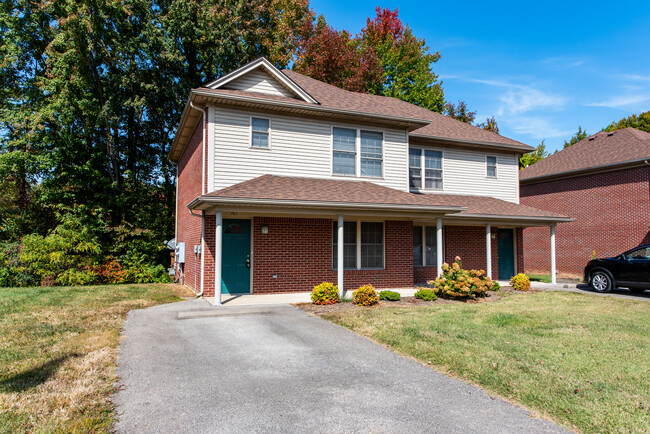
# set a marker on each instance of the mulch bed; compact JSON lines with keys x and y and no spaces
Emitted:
{"x":404,"y":302}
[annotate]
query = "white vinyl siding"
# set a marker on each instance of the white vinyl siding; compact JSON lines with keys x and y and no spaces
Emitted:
{"x":259,"y":81}
{"x":300,"y":147}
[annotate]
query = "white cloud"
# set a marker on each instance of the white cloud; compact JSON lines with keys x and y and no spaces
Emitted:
{"x":622,"y":101}
{"x":537,"y":127}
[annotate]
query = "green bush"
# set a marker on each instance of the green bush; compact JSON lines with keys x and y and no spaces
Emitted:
{"x":365,"y":296}
{"x":76,"y":277}
{"x":145,"y":273}
{"x":520,"y":282}
{"x":325,"y":293}
{"x":389,"y":295}
{"x":426,"y":294}
{"x":458,"y":283}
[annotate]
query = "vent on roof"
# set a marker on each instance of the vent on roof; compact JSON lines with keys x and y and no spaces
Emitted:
{"x":592,"y":138}
{"x":611,"y":134}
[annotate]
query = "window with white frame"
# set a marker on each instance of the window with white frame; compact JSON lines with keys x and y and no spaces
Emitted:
{"x":425,"y":169}
{"x":491,"y":166}
{"x":350,"y":145}
{"x":259,"y":133}
{"x":361,"y":249}
{"x":425,"y":251}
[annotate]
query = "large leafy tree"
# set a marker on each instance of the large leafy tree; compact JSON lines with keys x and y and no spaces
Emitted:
{"x":640,"y":122}
{"x":91,"y":92}
{"x":459,"y":111}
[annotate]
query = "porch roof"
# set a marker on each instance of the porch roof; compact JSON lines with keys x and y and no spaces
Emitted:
{"x":314,"y":193}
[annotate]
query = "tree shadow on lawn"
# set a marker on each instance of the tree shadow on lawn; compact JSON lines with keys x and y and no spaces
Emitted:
{"x":33,"y":377}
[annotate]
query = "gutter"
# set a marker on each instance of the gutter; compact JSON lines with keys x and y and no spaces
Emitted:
{"x":521,"y":147}
{"x":558,"y":219}
{"x":319,"y":205}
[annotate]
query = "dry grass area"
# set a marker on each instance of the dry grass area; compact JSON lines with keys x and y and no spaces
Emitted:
{"x":58,"y":347}
{"x":581,"y":360}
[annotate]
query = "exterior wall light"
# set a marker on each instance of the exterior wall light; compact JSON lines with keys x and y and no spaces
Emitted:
{"x":265,"y":230}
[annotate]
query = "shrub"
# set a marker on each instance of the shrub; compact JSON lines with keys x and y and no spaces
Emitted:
{"x":325,"y":293}
{"x":365,"y":296}
{"x":145,"y":273}
{"x":426,"y":294}
{"x":110,"y":272}
{"x":389,"y":295}
{"x":520,"y":282}
{"x":74,"y":277}
{"x":458,"y":283}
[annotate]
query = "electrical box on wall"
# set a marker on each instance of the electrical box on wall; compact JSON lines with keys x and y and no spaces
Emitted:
{"x":180,"y":253}
{"x":197,"y":250}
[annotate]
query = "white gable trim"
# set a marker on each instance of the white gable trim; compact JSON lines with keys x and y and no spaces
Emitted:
{"x":272,"y":70}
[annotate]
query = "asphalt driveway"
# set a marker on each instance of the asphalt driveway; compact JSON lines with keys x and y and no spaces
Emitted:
{"x":278,"y":369}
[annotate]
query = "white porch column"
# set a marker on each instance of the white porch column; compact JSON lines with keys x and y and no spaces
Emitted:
{"x":202,"y":249}
{"x":553,"y":269}
{"x":488,"y":250}
{"x":218,"y":237}
{"x":439,"y":245}
{"x":339,"y":256}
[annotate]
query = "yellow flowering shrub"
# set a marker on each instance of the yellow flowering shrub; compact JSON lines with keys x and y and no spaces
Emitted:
{"x":456,"y":282}
{"x":325,"y":293}
{"x":520,"y":282}
{"x":365,"y":296}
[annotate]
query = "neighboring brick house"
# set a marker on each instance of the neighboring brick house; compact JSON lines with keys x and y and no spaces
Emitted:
{"x":603,"y":182}
{"x":285,"y":181}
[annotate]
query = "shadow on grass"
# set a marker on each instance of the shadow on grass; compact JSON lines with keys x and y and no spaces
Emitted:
{"x":38,"y":375}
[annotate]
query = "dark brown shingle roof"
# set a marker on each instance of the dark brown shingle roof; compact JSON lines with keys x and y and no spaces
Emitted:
{"x":284,"y":189}
{"x":601,"y":149}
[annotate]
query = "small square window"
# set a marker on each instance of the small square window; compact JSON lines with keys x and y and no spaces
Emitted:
{"x":491,"y":166}
{"x":259,"y":133}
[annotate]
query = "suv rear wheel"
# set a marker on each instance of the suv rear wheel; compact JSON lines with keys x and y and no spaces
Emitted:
{"x":601,"y":281}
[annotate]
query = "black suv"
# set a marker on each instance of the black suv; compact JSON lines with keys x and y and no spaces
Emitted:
{"x":629,"y":270}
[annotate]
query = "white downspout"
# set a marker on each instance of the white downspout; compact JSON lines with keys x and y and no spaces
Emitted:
{"x":439,"y":246}
{"x":200,"y":294}
{"x":218,"y":243}
{"x":488,"y":249}
{"x":339,"y":258}
{"x":553,"y":268}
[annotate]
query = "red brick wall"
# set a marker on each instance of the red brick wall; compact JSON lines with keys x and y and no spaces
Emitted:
{"x":299,"y":253}
{"x":612,"y":212}
{"x":188,"y":228}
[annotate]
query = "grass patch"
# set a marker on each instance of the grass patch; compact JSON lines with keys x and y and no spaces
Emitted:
{"x":539,"y":277}
{"x":578,"y":359}
{"x":58,"y":347}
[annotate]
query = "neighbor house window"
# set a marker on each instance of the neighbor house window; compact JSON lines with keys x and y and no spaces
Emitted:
{"x":491,"y":166}
{"x":361,"y":249}
{"x":425,"y":250}
{"x":346,"y":150}
{"x":259,"y":133}
{"x":425,"y":169}
{"x":371,"y":153}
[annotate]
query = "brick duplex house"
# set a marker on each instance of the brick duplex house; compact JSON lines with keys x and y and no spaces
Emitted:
{"x":284,"y":181}
{"x":604,"y":182}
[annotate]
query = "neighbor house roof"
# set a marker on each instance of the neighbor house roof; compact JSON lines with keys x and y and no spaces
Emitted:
{"x":602,"y":151}
{"x":294,"y":192}
{"x":316,"y":98}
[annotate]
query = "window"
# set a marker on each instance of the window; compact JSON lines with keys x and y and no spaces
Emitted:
{"x":368,"y":244}
{"x":259,"y":133}
{"x":642,"y":253}
{"x":425,"y":164}
{"x":371,"y":153}
{"x":491,"y":166}
{"x":349,"y":245}
{"x":428,"y":251}
{"x":345,"y":152}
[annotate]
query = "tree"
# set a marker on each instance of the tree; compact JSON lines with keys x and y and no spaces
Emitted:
{"x":459,"y":111}
{"x":490,"y":124}
{"x":336,"y":58}
{"x":579,"y":135}
{"x":640,"y":122}
{"x":533,"y":157}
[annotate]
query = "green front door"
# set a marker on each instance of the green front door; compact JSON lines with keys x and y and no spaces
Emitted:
{"x":506,"y":254}
{"x":235,"y":258}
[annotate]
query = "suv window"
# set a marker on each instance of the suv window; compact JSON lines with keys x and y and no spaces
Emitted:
{"x":642,"y":253}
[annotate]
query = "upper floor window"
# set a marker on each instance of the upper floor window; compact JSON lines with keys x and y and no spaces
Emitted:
{"x":425,"y":169}
{"x":491,"y":166}
{"x":345,"y":152}
{"x":259,"y":133}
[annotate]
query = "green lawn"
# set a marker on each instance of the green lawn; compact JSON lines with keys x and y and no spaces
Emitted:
{"x":580,"y":360}
{"x":540,"y":277}
{"x":58,"y":347}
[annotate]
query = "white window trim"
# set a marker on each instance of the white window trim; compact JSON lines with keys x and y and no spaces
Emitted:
{"x":424,"y":245}
{"x":358,"y":242}
{"x":422,"y":169}
{"x":496,"y":166}
{"x":250,"y":132}
{"x":357,"y":152}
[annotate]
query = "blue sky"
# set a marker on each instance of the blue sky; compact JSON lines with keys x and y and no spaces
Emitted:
{"x":541,"y":68}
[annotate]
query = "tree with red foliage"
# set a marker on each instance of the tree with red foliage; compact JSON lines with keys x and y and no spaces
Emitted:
{"x":336,"y":58}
